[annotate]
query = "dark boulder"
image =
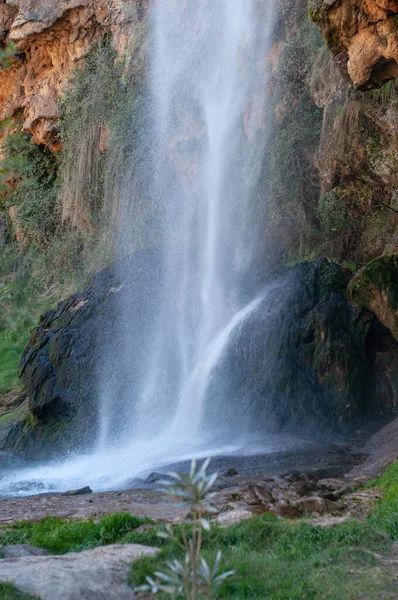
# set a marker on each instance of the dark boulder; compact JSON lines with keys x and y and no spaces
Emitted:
{"x":303,"y":360}
{"x":66,"y":357}
{"x":306,"y":359}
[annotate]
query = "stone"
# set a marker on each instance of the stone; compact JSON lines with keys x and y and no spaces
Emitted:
{"x":101,"y":573}
{"x":382,"y":450}
{"x":21,"y":551}
{"x":231,"y":517}
{"x":375,"y":287}
{"x":80,"y":492}
{"x":315,"y":377}
{"x":315,"y":505}
{"x":52,"y":38}
{"x":369,"y":41}
{"x":231,"y":472}
{"x":285,"y":510}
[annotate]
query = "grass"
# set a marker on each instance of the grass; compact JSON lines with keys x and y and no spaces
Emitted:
{"x":274,"y":559}
{"x":385,"y":518}
{"x":281,"y":560}
{"x":60,"y":536}
{"x":9,"y":592}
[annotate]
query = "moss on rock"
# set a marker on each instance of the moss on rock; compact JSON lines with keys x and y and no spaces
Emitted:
{"x":376,"y":287}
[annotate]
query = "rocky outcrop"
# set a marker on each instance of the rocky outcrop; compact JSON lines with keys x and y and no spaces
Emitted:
{"x":51,"y":38}
{"x":376,"y":287}
{"x":357,"y":161}
{"x":67,"y":361}
{"x":101,"y":573}
{"x":365,"y":35}
{"x":303,"y":360}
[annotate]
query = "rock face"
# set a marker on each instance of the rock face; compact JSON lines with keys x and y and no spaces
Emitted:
{"x":52,"y":37}
{"x":101,"y":573}
{"x":65,"y":362}
{"x":300,"y":361}
{"x":365,"y":33}
{"x":376,"y":287}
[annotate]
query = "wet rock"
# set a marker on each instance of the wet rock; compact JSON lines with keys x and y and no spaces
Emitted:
{"x":231,"y":472}
{"x":316,"y":375}
{"x":60,"y":364}
{"x":376,"y":287}
{"x":81,"y":492}
{"x":314,"y":379}
{"x":157,"y":478}
{"x":101,"y":573}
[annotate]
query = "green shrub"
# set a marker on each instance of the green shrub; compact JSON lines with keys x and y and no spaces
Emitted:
{"x":35,"y":195}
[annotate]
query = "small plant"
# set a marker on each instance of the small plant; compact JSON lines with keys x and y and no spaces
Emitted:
{"x":7,"y":55}
{"x":193,"y":577}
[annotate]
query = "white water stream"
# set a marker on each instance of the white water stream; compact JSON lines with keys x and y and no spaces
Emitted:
{"x":210,"y":71}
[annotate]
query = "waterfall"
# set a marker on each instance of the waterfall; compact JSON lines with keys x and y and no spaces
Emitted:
{"x":209,"y":75}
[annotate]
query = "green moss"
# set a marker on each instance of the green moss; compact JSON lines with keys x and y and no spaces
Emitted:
{"x":380,"y":275}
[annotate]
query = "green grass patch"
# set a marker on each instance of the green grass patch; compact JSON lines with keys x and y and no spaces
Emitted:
{"x":385,"y":518}
{"x":10,"y":592}
{"x":60,"y":536}
{"x":282,"y":560}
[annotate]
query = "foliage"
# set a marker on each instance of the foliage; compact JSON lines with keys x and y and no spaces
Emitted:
{"x":93,"y":92}
{"x":7,"y":55}
{"x":14,"y":162}
{"x":36,"y":193}
{"x":192,"y":577}
{"x":332,"y":212}
{"x":9,"y":592}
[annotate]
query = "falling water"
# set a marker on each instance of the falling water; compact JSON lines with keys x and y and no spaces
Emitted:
{"x":210,"y":70}
{"x":209,"y":77}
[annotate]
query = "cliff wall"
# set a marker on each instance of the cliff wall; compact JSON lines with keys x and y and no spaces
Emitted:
{"x":51,"y":39}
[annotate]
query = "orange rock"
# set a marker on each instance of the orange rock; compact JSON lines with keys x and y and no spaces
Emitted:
{"x":52,"y":38}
